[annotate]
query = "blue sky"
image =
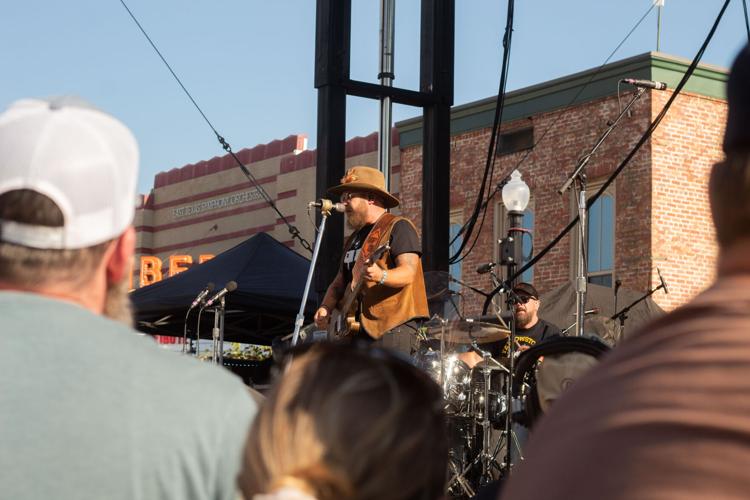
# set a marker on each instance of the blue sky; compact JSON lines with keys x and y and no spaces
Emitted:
{"x":249,"y":63}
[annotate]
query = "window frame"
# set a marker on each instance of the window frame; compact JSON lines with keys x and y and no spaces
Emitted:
{"x":591,"y":189}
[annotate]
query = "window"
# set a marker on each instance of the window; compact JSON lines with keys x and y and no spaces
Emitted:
{"x":501,"y":231}
{"x":600,"y":241}
{"x":513,"y":142}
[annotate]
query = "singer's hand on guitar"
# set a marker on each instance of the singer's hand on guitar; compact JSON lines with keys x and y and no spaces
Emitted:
{"x":322,"y":318}
{"x":373,"y":273}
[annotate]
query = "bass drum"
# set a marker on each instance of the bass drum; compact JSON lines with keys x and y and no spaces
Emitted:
{"x":545,"y":371}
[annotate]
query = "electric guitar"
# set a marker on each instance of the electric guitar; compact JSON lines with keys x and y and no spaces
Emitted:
{"x":342,"y":322}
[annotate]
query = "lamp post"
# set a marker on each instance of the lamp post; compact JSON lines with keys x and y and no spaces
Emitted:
{"x":515,"y":199}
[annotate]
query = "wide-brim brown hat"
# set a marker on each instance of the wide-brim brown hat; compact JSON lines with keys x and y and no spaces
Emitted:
{"x":365,"y":179}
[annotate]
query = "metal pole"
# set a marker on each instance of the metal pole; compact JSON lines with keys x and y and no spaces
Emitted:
{"x":301,"y":314}
{"x":658,"y":26}
{"x":581,"y":277}
{"x":514,"y":252}
{"x":387,"y":36}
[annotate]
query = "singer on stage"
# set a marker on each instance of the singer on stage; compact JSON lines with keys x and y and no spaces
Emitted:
{"x":392,"y":296}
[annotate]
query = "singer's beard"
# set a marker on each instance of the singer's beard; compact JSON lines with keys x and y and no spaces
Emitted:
{"x":355,"y":220}
{"x":117,"y":303}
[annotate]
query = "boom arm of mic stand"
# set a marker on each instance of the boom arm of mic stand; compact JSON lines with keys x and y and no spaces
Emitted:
{"x":476,"y":290}
{"x":626,"y":309}
{"x":585,"y":159}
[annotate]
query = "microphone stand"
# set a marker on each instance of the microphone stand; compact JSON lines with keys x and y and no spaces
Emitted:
{"x":325,"y":212}
{"x":579,"y":176}
{"x":622,"y":315}
{"x":217,"y":333}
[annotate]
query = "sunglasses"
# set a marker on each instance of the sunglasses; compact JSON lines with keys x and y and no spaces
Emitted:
{"x":522,"y":299}
{"x":348,"y":196}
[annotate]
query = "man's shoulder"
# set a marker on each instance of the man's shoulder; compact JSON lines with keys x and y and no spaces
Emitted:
{"x":549,"y":328}
{"x":48,"y":322}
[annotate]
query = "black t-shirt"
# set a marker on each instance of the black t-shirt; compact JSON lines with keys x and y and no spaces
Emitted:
{"x":542,"y":330}
{"x":404,"y":239}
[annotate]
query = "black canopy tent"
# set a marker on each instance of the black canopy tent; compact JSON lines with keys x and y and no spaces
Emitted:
{"x":270,"y":281}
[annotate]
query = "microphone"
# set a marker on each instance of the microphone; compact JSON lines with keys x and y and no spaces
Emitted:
{"x":663,"y":283}
{"x":202,"y":296}
{"x":646,"y":84}
{"x":327,"y":205}
{"x":485,"y":268}
{"x":229,"y":287}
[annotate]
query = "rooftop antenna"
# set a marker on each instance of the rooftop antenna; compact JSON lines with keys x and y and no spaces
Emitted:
{"x":660,"y":5}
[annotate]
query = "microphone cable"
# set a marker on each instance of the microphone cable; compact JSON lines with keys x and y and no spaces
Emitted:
{"x":491,"y":156}
{"x":224,"y":144}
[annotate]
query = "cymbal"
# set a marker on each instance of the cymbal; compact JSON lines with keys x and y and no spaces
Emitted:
{"x":465,"y":331}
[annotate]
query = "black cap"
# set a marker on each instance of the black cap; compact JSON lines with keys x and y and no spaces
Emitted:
{"x":737,"y":133}
{"x":526,"y":289}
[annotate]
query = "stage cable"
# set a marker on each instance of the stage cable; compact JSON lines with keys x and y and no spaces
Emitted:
{"x":224,"y":144}
{"x":551,"y":126}
{"x":646,"y":136}
{"x":468,"y":228}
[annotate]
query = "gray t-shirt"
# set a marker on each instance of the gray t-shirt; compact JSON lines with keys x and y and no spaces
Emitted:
{"x":91,"y":410}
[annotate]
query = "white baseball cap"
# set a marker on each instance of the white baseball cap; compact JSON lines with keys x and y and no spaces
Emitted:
{"x":83,"y":159}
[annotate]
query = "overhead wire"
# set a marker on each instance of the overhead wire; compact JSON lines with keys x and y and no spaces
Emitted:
{"x":468,"y":228}
{"x":224,"y":144}
{"x":747,"y":23}
{"x":469,"y":224}
{"x":645,"y":137}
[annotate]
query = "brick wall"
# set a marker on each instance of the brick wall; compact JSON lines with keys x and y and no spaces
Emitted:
{"x":660,"y":197}
{"x":685,"y":147}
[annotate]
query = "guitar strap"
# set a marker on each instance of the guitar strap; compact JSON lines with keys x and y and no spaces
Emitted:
{"x":377,"y":236}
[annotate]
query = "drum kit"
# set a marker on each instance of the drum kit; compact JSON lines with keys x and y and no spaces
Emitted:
{"x":475,"y":398}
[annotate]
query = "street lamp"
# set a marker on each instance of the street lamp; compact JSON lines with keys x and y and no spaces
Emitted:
{"x":515,"y":199}
{"x":515,"y":193}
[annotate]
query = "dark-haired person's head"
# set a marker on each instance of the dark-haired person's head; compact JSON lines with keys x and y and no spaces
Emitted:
{"x":346,"y":422}
{"x":729,"y":184}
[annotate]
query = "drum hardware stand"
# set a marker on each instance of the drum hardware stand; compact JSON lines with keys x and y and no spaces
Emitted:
{"x":458,"y":477}
{"x":325,"y":211}
{"x":579,"y":177}
{"x":487,"y":458}
{"x":622,"y":315}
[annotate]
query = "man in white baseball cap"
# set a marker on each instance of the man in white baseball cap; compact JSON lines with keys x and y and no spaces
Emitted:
{"x":89,"y":409}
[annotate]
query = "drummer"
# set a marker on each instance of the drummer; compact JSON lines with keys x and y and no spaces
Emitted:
{"x":530,"y":328}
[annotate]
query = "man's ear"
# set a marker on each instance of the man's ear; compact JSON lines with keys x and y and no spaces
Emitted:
{"x":120,"y":255}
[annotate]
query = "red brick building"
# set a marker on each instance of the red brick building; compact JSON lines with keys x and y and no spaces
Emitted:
{"x":199,"y":210}
{"x":656,"y":213}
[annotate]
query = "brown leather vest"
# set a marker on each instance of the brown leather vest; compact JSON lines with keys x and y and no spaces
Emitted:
{"x":383,"y":307}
